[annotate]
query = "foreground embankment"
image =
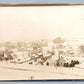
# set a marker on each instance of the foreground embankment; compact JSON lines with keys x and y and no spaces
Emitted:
{"x":11,"y":71}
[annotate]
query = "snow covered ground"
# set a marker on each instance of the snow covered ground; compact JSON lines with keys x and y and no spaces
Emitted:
{"x":11,"y":71}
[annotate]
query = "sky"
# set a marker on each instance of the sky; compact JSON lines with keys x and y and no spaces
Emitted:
{"x":41,"y":22}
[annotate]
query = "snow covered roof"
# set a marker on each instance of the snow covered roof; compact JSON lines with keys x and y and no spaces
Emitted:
{"x":30,"y":48}
{"x":46,"y":55}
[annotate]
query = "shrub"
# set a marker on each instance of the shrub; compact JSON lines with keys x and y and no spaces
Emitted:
{"x":66,"y":65}
{"x":47,"y":63}
{"x":30,"y":62}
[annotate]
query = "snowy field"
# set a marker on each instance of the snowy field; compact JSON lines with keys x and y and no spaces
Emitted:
{"x":11,"y":71}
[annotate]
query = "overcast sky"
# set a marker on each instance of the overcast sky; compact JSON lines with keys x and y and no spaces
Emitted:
{"x":27,"y":23}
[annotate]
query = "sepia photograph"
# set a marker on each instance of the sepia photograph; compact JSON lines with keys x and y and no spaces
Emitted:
{"x":42,"y":42}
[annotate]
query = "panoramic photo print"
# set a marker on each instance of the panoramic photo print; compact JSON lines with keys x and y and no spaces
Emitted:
{"x":42,"y":42}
